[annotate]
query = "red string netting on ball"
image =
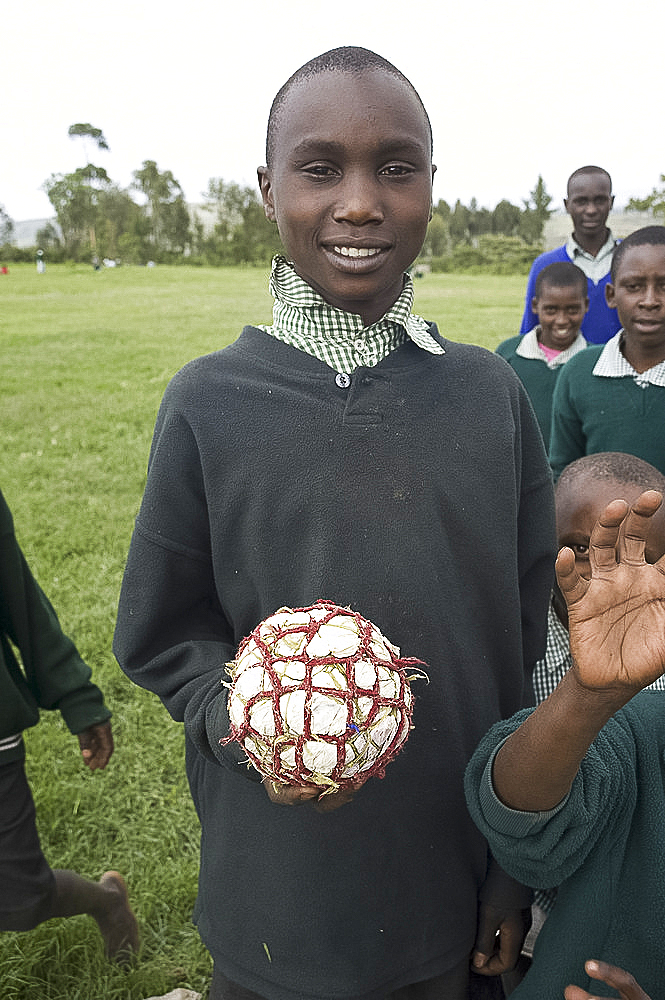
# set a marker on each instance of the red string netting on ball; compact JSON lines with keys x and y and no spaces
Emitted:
{"x":318,"y":696}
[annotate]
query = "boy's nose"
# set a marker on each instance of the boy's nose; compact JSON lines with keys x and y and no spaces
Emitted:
{"x":359,"y":202}
{"x":650,"y":297}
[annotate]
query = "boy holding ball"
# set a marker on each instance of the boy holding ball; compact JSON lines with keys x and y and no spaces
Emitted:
{"x":347,"y":453}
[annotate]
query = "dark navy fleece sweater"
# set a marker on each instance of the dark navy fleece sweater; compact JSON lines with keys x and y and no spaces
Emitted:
{"x":419,"y":495}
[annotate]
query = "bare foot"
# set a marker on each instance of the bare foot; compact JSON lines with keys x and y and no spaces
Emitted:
{"x":118,"y":924}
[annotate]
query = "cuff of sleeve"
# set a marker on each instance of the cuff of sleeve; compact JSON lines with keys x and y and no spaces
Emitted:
{"x":500,"y":817}
{"x":83,"y":708}
{"x":228,"y":752}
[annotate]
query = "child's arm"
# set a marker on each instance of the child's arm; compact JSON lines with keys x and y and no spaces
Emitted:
{"x":617,"y":636}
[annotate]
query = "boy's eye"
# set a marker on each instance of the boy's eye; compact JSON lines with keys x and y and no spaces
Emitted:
{"x":319,"y":170}
{"x":581,"y":551}
{"x":396,"y":169}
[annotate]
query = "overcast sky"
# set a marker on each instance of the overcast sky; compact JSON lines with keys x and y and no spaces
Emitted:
{"x":513,"y":89}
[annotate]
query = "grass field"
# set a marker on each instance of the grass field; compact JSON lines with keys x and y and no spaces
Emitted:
{"x":85,"y":359}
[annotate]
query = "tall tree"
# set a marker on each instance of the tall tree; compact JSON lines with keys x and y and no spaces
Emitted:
{"x":536,"y":212}
{"x":654,"y":202}
{"x":241,"y":232}
{"x":86,"y":131}
{"x":167,"y":210}
{"x":506,"y":218}
{"x":84,"y":186}
{"x":76,"y":199}
{"x":6,"y":227}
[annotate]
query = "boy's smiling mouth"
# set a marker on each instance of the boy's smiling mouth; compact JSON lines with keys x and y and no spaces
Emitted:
{"x":357,"y":251}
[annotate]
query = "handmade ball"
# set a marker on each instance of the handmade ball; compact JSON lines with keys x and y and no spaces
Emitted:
{"x":318,"y":696}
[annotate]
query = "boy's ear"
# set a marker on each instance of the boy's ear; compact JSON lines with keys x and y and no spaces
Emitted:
{"x":431,"y":199}
{"x":534,"y":305}
{"x":609,"y":296}
{"x":265,"y":186}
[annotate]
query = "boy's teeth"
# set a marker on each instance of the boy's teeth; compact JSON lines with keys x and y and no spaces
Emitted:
{"x":357,"y":251}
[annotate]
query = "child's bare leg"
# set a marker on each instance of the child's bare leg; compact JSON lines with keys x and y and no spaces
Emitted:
{"x":106,"y":901}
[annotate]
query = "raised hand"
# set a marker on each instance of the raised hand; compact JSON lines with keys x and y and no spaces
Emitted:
{"x":617,"y":618}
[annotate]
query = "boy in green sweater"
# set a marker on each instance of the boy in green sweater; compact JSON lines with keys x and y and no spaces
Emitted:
{"x":560,"y":302}
{"x":612,"y":398}
{"x":49,"y":675}
{"x":572,"y":793}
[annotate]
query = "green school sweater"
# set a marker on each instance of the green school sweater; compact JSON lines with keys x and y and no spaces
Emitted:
{"x":51,"y":673}
{"x":537,"y":378}
{"x":593,"y":413}
{"x":603,"y":847}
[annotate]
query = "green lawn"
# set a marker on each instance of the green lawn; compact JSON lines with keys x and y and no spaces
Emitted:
{"x":85,"y":358}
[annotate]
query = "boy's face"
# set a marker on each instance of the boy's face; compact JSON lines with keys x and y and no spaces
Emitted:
{"x":350,"y":186}
{"x":560,"y":311}
{"x":638,"y":294}
{"x":588,"y":204}
{"x":580,"y":504}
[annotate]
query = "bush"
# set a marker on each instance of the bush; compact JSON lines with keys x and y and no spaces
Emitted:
{"x":488,"y":254}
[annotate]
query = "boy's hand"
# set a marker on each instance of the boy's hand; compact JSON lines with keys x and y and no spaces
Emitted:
{"x":622,"y":982}
{"x":617,"y":619}
{"x":499,"y":938}
{"x":96,"y":743}
{"x":294,"y":795}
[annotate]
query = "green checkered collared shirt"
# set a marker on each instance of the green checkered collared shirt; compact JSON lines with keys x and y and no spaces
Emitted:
{"x":303,"y":319}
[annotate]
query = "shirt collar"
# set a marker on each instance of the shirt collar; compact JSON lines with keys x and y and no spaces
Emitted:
{"x":612,"y":364}
{"x":574,"y":250}
{"x":529,"y":347}
{"x":304,"y":319}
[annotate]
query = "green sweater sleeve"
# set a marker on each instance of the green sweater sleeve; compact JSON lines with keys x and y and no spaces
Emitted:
{"x":51,"y":673}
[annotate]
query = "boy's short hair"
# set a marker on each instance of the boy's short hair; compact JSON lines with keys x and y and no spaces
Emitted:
{"x":647,"y":236}
{"x":589,"y":169}
{"x":561,"y":274}
{"x":346,"y":59}
{"x":613,"y":466}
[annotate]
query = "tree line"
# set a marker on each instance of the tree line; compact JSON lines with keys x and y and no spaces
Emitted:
{"x":150,"y":221}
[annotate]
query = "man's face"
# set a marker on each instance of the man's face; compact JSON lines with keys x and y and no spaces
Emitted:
{"x":638,"y":295}
{"x":350,"y":186}
{"x":589,"y":202}
{"x":560,"y":311}
{"x":580,"y":504}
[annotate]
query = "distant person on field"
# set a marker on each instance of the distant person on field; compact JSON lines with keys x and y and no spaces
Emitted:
{"x":49,"y":675}
{"x":612,"y":397}
{"x":590,"y":246}
{"x":560,"y":302}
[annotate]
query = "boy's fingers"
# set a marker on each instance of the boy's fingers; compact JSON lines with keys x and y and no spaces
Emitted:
{"x":604,"y":537}
{"x":288,"y":795}
{"x":571,"y":584}
{"x":619,"y":979}
{"x":633,"y":536}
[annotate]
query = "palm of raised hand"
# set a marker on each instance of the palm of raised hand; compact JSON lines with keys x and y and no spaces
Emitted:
{"x":617,"y":619}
